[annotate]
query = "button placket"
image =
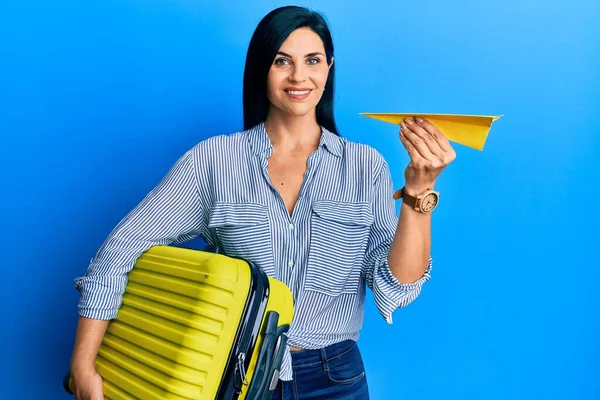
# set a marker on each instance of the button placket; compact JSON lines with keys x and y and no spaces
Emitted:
{"x":292,"y":230}
{"x":292,"y":254}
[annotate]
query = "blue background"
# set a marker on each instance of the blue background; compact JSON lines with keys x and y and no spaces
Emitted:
{"x":99,"y":98}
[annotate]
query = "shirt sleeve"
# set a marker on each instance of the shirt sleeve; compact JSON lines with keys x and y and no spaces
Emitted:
{"x":170,"y":213}
{"x":388,"y":292}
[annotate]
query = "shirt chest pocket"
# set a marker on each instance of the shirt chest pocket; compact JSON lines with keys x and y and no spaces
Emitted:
{"x":339,"y":237}
{"x":242,"y":231}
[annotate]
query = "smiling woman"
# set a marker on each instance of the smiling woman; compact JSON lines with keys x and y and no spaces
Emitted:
{"x":299,"y":74}
{"x":331,"y":228}
{"x":292,"y":49}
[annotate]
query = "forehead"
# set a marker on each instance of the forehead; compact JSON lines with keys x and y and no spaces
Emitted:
{"x":301,"y":42}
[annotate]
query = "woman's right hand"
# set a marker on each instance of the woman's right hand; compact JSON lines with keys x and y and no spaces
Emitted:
{"x":87,"y":386}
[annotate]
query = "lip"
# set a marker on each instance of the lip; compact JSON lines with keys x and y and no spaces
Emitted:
{"x":297,"y":97}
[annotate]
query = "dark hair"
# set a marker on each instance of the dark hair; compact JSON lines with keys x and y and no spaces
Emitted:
{"x":266,"y":41}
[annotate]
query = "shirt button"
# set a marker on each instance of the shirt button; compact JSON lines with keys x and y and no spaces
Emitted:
{"x":291,"y":263}
{"x":291,"y":226}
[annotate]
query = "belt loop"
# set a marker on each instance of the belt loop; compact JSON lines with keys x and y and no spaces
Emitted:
{"x":324,"y":360}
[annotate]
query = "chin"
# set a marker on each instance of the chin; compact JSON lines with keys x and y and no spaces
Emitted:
{"x":294,"y":109}
{"x":300,"y":110}
{"x":299,"y":113}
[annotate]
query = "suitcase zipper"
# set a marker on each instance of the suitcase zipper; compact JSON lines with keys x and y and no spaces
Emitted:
{"x":242,"y":370}
{"x":251,"y":321}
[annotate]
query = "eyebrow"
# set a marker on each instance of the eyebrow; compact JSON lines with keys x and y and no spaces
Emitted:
{"x":308,"y":55}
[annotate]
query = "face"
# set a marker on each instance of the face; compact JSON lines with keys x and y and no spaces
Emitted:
{"x":298,"y":74}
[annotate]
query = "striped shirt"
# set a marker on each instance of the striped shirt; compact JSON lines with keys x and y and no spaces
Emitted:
{"x":333,"y":246}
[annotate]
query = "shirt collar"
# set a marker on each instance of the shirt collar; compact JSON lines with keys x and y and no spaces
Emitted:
{"x":261,"y":144}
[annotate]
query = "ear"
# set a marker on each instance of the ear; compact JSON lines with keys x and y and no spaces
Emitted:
{"x":331,"y":63}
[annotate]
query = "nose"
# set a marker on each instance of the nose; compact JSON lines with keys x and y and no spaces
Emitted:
{"x":298,"y":73}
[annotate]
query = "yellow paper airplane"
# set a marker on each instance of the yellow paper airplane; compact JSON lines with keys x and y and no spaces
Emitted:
{"x":468,"y":130}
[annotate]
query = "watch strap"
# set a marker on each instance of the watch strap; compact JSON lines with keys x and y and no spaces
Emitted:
{"x":411,"y":201}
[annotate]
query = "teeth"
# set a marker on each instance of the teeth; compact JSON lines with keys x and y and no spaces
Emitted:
{"x":297,"y":93}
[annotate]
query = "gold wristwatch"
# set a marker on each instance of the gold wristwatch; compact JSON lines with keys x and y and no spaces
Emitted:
{"x":424,"y":202}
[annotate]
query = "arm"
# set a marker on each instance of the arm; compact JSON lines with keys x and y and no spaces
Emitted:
{"x":88,"y":338}
{"x":171,"y":212}
{"x":397,"y":259}
{"x":386,"y":240}
{"x":409,"y":254}
{"x":430,"y":152}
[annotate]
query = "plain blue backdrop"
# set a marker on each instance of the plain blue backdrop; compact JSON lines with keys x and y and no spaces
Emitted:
{"x":99,"y":98}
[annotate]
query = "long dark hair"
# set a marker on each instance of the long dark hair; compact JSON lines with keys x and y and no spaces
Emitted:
{"x":268,"y":37}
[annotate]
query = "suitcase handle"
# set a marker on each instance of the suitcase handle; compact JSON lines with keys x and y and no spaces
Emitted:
{"x":67,"y":383}
{"x":270,"y":354}
{"x":277,"y":355}
{"x":278,"y":358}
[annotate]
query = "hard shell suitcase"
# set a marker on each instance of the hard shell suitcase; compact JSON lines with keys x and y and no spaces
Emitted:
{"x":195,"y":325}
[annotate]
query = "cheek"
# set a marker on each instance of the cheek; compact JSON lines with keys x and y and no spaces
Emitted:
{"x":274,"y":81}
{"x":321,"y":78}
{"x":271,"y":84}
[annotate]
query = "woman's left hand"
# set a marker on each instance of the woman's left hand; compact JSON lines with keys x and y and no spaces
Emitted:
{"x":429,"y":150}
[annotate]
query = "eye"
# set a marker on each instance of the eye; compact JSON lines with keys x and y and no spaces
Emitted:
{"x":281,"y":61}
{"x":314,"y":61}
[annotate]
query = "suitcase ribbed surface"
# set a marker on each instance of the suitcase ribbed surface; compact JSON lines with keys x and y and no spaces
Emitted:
{"x":172,"y":336}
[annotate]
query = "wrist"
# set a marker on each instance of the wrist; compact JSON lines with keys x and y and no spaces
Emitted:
{"x":423,"y":200}
{"x":417,"y":189}
{"x":80,"y":368}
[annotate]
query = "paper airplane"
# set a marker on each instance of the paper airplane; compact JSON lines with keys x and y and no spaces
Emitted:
{"x":468,"y":130}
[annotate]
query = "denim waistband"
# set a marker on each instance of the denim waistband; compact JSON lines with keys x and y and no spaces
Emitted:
{"x":311,"y":357}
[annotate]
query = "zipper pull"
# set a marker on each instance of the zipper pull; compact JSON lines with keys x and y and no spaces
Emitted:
{"x":240,"y":373}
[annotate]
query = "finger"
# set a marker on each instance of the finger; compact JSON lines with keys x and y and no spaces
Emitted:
{"x":427,"y":138}
{"x":415,"y":157}
{"x":417,"y":142}
{"x":438,"y":136}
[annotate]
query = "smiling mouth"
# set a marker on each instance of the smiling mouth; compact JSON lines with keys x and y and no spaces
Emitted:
{"x":297,"y":92}
{"x":298,"y":95}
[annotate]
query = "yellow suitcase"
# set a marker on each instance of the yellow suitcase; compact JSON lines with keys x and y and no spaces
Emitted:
{"x":195,"y":325}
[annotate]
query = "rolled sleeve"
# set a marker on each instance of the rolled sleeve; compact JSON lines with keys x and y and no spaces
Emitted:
{"x":388,"y":292}
{"x":100,"y":296}
{"x":170,"y":213}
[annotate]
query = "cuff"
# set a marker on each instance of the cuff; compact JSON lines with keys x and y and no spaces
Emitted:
{"x":390,"y":294}
{"x":100,"y":296}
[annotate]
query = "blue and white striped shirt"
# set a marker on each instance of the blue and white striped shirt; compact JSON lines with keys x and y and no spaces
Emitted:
{"x":334,"y":245}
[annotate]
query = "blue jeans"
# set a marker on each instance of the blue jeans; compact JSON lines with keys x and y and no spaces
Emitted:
{"x":335,"y":372}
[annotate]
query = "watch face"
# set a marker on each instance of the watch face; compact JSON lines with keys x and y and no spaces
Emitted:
{"x":429,"y":202}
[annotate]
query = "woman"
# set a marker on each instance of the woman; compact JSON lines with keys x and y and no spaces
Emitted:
{"x":331,"y":230}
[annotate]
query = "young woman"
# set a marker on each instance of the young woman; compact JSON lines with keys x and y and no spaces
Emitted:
{"x":330,"y":230}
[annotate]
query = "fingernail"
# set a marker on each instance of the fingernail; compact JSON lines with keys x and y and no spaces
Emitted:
{"x":418,"y":119}
{"x":407,"y":121}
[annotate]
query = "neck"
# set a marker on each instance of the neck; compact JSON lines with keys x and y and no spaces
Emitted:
{"x":293,"y":132}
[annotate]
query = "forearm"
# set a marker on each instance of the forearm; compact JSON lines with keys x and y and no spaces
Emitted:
{"x":88,"y":338}
{"x":430,"y":152}
{"x":411,"y":247}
